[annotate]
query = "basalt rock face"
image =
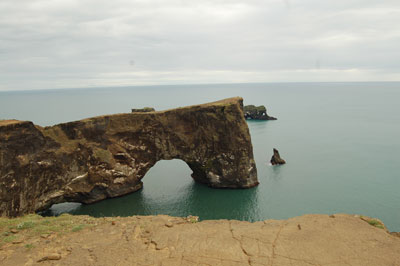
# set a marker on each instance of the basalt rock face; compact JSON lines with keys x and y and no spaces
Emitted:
{"x":93,"y":159}
{"x":257,"y":113}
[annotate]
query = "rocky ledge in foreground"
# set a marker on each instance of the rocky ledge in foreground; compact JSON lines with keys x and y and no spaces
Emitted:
{"x":107,"y":156}
{"x":163,"y":240}
{"x":256,"y":113}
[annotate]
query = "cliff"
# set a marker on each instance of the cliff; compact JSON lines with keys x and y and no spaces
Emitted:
{"x":163,"y":240}
{"x":93,"y":159}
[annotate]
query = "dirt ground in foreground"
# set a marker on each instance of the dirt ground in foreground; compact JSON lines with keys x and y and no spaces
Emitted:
{"x":163,"y":240}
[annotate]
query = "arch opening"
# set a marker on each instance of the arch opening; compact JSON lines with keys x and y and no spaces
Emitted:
{"x":167,"y":186}
{"x":167,"y":176}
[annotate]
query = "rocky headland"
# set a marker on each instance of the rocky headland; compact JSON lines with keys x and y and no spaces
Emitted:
{"x":107,"y":156}
{"x":333,"y":240}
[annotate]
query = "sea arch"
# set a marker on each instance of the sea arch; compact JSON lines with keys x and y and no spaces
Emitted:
{"x":107,"y":156}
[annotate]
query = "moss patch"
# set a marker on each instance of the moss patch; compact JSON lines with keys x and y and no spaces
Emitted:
{"x":209,"y":165}
{"x":376,"y":223}
{"x":34,"y":225}
{"x":103,"y":155}
{"x":78,"y":228}
{"x":373,"y":222}
{"x":29,"y":246}
{"x":255,"y":109}
{"x":58,"y":135}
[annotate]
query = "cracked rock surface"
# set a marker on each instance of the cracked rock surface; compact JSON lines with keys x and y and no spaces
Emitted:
{"x":164,"y":240}
{"x":107,"y":156}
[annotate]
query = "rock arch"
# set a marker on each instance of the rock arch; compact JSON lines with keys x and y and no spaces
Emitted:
{"x":107,"y":156}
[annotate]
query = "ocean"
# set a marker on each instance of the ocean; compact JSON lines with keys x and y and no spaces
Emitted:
{"x":341,"y":142}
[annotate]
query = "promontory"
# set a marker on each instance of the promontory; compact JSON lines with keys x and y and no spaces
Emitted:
{"x":107,"y":156}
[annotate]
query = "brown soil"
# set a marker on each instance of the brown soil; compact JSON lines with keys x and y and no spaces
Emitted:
{"x":163,"y":240}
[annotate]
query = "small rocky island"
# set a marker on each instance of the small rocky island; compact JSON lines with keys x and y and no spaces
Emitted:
{"x":276,"y":158}
{"x":256,"y":113}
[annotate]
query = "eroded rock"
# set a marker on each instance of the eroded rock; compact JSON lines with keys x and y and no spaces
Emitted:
{"x":276,"y":158}
{"x":256,"y":113}
{"x":107,"y":156}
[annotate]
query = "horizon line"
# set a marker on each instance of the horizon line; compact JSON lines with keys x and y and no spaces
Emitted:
{"x":189,"y":84}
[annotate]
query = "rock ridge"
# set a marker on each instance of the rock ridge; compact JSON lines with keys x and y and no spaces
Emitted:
{"x":107,"y":156}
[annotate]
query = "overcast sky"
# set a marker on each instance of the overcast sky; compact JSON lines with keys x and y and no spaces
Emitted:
{"x":48,"y":44}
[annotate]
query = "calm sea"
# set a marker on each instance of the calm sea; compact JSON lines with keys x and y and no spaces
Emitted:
{"x":341,"y":142}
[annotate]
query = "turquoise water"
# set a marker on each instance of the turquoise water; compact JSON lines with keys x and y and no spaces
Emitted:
{"x":340,"y":141}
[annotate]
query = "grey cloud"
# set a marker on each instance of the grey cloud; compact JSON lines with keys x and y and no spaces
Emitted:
{"x":65,"y":43}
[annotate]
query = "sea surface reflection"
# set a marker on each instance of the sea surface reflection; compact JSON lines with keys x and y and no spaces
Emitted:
{"x":169,"y":189}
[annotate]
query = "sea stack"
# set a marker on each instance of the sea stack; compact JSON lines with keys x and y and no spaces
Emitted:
{"x":276,"y":158}
{"x":256,"y":113}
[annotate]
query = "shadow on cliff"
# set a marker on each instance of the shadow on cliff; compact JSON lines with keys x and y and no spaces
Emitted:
{"x":169,"y":189}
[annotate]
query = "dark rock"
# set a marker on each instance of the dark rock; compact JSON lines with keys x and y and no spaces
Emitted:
{"x":121,"y":156}
{"x":256,"y":113}
{"x":143,"y":110}
{"x":276,"y":158}
{"x":107,"y":156}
